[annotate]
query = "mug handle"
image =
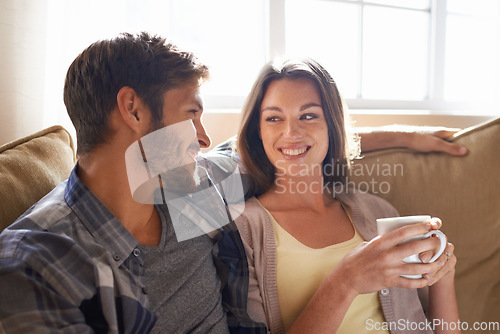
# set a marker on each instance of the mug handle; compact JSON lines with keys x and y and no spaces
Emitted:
{"x":442,"y":238}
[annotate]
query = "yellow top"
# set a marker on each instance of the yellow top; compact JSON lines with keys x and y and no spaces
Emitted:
{"x":301,"y":269}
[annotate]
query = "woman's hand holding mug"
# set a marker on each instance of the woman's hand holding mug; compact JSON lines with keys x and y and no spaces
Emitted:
{"x":400,"y":256}
{"x":385,"y":225}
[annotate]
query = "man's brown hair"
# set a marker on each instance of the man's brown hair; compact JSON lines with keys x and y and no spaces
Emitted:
{"x":148,"y":64}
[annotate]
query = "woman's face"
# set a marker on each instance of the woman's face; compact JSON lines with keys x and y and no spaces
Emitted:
{"x":293,"y":127}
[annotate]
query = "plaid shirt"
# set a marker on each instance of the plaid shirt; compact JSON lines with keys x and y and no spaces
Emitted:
{"x":69,"y":265}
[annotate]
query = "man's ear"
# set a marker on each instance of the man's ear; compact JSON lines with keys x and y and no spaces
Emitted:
{"x":132,"y":109}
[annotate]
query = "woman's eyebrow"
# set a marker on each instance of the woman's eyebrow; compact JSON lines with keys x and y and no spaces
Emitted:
{"x":304,"y":107}
{"x":309,"y":105}
{"x":271,"y":108}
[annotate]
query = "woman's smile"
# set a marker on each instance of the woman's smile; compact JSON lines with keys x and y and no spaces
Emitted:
{"x":294,"y":152}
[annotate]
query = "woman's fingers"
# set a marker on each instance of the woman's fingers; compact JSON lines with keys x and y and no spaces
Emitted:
{"x":417,"y":268}
{"x":436,"y":223}
{"x":401,"y":235}
{"x":447,"y":262}
{"x":427,"y":255}
{"x":395,"y":237}
{"x":423,"y":247}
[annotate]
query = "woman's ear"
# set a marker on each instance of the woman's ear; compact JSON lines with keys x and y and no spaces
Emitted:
{"x":132,"y":109}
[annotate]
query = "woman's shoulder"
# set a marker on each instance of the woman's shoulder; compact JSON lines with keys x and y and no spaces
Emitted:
{"x":369,"y":202}
{"x":253,"y":212}
{"x":253,"y":220}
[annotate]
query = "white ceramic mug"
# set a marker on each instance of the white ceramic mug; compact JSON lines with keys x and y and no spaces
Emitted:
{"x":385,"y":225}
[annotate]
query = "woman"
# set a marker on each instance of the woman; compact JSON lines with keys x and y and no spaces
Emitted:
{"x":311,"y":268}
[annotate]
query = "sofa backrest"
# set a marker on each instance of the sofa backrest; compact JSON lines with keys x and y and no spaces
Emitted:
{"x":30,"y":168}
{"x":465,"y":193}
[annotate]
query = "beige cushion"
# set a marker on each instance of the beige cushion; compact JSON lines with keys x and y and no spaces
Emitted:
{"x":465,"y":193}
{"x":31,"y":167}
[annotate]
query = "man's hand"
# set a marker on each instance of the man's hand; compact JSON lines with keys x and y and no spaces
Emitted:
{"x":434,"y":140}
{"x":420,"y":139}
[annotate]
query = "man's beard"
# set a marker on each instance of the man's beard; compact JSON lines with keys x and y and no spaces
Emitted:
{"x":164,"y":162}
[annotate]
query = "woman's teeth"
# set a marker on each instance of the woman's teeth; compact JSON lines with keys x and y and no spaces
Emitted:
{"x":294,"y":151}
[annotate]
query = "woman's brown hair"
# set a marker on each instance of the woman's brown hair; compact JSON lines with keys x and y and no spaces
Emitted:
{"x":250,"y":147}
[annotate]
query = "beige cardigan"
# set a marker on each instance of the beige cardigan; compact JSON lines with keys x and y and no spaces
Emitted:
{"x":400,"y":306}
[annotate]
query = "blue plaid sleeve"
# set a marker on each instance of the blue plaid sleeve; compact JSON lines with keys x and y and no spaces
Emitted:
{"x":232,"y":266}
{"x":48,"y":284}
{"x":33,"y":294}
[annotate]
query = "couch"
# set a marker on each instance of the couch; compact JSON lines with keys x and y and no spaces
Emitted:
{"x":463,"y":191}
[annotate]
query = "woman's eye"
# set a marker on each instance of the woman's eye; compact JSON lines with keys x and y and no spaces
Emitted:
{"x":308,"y":116}
{"x":272,"y":119}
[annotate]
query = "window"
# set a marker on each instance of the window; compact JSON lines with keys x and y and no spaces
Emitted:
{"x":413,"y":54}
{"x":437,"y":55}
{"x":472,"y":59}
{"x":227,"y":35}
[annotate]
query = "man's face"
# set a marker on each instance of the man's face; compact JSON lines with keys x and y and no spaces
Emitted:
{"x":171,"y":150}
{"x":184,"y":135}
{"x":184,"y":103}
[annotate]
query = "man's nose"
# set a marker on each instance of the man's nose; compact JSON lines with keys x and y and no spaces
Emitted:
{"x":203,"y":138}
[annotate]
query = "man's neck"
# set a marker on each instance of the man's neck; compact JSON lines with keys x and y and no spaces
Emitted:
{"x":104,"y":173}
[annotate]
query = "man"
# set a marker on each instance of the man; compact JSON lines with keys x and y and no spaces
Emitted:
{"x":75,"y":261}
{"x":92,"y":256}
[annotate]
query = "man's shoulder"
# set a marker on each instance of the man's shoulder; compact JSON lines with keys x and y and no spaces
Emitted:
{"x":44,"y":231}
{"x":48,"y":265}
{"x":24,"y":244}
{"x":46,"y":257}
{"x":48,"y":211}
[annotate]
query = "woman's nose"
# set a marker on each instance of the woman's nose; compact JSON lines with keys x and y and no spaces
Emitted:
{"x":292,"y":129}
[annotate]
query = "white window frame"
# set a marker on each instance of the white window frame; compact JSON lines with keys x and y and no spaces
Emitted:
{"x":433,"y":103}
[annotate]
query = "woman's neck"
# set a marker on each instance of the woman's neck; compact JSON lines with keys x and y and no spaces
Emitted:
{"x":296,"y":192}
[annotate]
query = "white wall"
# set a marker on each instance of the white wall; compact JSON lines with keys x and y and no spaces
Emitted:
{"x":22,"y":67}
